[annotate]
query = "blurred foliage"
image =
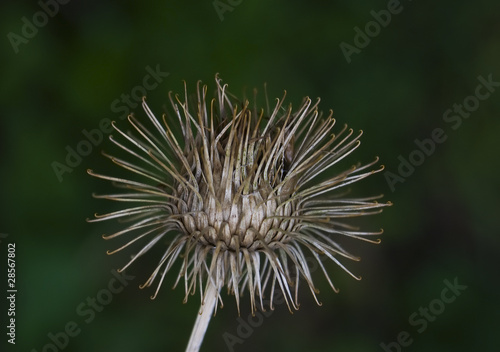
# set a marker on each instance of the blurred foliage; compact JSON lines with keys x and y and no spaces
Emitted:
{"x":443,"y":224}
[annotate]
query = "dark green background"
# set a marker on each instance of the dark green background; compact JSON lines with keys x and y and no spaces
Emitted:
{"x":443,"y":225}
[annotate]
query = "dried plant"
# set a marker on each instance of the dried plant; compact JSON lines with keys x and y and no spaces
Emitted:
{"x":243,"y":199}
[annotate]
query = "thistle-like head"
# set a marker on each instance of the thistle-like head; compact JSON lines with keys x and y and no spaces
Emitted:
{"x":244,"y":198}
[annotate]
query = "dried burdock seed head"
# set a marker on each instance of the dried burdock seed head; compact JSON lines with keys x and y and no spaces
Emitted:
{"x":245,"y":198}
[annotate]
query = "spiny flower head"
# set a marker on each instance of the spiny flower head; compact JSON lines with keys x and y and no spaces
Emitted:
{"x":243,"y":199}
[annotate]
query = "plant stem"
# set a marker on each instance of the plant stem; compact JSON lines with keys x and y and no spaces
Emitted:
{"x":204,"y":316}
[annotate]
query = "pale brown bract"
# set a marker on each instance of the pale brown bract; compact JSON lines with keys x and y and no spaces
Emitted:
{"x":244,"y":198}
